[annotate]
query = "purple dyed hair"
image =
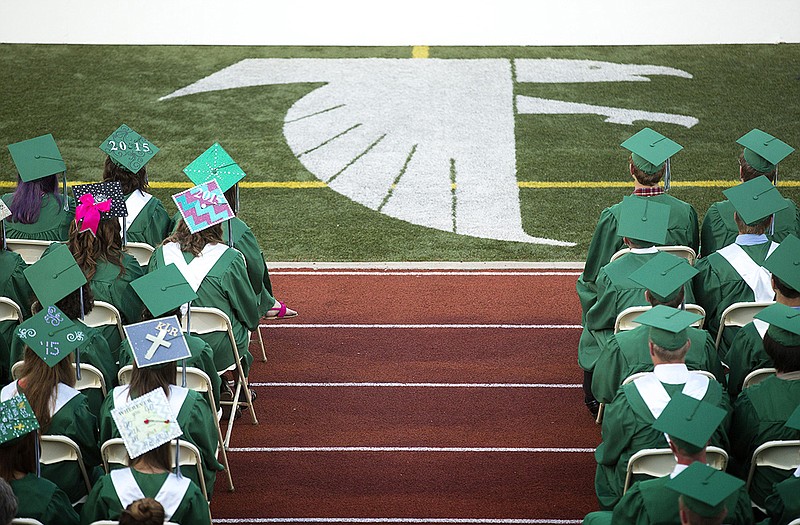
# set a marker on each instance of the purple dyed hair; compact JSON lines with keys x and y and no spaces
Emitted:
{"x":27,"y":201}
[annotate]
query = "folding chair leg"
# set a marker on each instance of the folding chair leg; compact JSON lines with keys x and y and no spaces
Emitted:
{"x":224,"y":458}
{"x":261,"y":342}
{"x":248,"y":399}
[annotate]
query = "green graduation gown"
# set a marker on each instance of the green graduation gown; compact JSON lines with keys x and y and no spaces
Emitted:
{"x":53,"y":223}
{"x":627,"y":425}
{"x":745,"y":355}
{"x":151,"y":223}
{"x":783,"y":505}
{"x":42,"y":500}
{"x":226,"y":287}
{"x":196,"y":419}
{"x":759,"y":415}
{"x":13,"y":285}
{"x":105,"y":502}
{"x":629,"y":352}
{"x":719,"y":227}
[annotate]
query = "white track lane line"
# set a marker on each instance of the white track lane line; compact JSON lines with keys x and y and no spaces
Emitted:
{"x":424,"y":273}
{"x":416,"y":385}
{"x":426,"y":326}
{"x":476,"y":450}
{"x":483,"y":521}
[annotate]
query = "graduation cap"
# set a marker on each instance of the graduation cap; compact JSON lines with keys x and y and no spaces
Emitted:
{"x":215,"y":164}
{"x":762,"y":151}
{"x":651,"y":151}
{"x":664,"y":275}
{"x":37,"y":158}
{"x":705,"y":488}
{"x":55,"y":275}
{"x":51,"y":335}
{"x":784,"y":323}
{"x":146,"y":423}
{"x":128,"y":149}
{"x":157,"y":341}
{"x":689,"y":422}
{"x":755,"y":200}
{"x":98,"y":201}
{"x":203,"y":206}
{"x":16,"y":419}
{"x":164,"y":290}
{"x":784,"y":262}
{"x":668,"y":325}
{"x":643,"y":219}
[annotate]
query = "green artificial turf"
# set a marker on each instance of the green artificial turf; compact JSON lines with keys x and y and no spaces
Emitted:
{"x":82,"y":93}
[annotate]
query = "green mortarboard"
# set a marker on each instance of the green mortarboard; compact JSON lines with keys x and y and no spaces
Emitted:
{"x":164,"y":290}
{"x":689,"y":421}
{"x":664,"y":275}
{"x":51,"y":335}
{"x":128,"y":149}
{"x":215,"y":163}
{"x":668,"y":325}
{"x":705,"y":488}
{"x":157,"y":341}
{"x":16,"y":418}
{"x":37,"y":158}
{"x":55,"y":276}
{"x":755,"y":200}
{"x":762,"y":151}
{"x":146,"y":422}
{"x":650,"y":150}
{"x":784,"y":323}
{"x":643,"y":219}
{"x":794,"y":419}
{"x":784,"y":262}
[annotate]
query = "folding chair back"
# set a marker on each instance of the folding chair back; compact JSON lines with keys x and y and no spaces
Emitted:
{"x":55,"y":449}
{"x":659,"y":462}
{"x":626,"y":320}
{"x":681,"y":251}
{"x":104,"y":314}
{"x":9,"y":310}
{"x":739,"y":314}
{"x":91,"y":377}
{"x":757,"y":376}
{"x":141,"y":251}
{"x":25,"y":521}
{"x":30,"y":250}
{"x":781,"y":454}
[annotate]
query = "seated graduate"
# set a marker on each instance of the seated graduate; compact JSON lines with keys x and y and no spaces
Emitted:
{"x":762,"y":410}
{"x":157,"y":345}
{"x":147,"y":422}
{"x":14,"y":286}
{"x":58,"y":282}
{"x":145,"y":511}
{"x":707,"y":496}
{"x":128,"y":154}
{"x":760,"y":158}
{"x":689,"y":424}
{"x":783,"y":505}
{"x":38,"y":210}
{"x":747,"y":349}
{"x":47,"y":378}
{"x":37,"y":498}
{"x":628,"y":419}
{"x":628,"y":352}
{"x":736,"y":272}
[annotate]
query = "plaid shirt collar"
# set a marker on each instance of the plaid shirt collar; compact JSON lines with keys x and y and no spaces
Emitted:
{"x":649,"y":192}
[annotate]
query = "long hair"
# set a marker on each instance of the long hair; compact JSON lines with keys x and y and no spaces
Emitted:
{"x":18,"y":455}
{"x":144,"y":380}
{"x":195,"y":242}
{"x":26,"y":204}
{"x":41,"y":381}
{"x":145,"y":511}
{"x":71,"y":304}
{"x":128,"y":180}
{"x":160,"y":457}
{"x":88,"y":249}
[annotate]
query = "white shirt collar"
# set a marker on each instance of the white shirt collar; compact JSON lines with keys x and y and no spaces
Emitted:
{"x":677,"y":470}
{"x":651,"y":249}
{"x":672,"y":374}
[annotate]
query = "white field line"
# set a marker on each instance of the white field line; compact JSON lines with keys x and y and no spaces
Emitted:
{"x":417,"y":385}
{"x":454,"y":521}
{"x":426,"y":265}
{"x":274,"y":325}
{"x":478,"y":450}
{"x":423,"y":273}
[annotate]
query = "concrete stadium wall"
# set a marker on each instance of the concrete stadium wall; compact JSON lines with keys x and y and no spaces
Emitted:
{"x":409,"y":22}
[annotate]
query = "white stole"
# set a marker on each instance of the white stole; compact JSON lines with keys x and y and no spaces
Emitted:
{"x":656,"y":397}
{"x":135,"y":203}
{"x":195,"y":271}
{"x":63,"y":393}
{"x":756,"y":277}
{"x":169,"y":495}
{"x":761,"y":327}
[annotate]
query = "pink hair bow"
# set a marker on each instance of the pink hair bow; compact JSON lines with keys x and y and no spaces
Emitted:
{"x":88,"y":211}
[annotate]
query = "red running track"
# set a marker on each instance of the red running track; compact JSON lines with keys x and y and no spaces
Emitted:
{"x":393,"y":415}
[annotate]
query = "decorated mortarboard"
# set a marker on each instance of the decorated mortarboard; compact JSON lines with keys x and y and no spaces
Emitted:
{"x":755,"y":200}
{"x":762,"y":151}
{"x":51,"y":335}
{"x":128,"y":149}
{"x":650,"y":150}
{"x":215,"y":164}
{"x":146,"y":423}
{"x":784,"y":262}
{"x":668,"y":325}
{"x":98,"y":201}
{"x":4,"y":211}
{"x":705,"y":488}
{"x":16,"y":418}
{"x":689,"y":422}
{"x":157,"y":341}
{"x":37,"y":158}
{"x":664,"y":275}
{"x":55,"y":275}
{"x":164,"y":290}
{"x":203,"y":206}
{"x":784,"y":323}
{"x":643,"y":219}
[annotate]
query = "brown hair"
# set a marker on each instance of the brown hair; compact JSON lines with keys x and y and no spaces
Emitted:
{"x":144,"y":380}
{"x":784,"y":358}
{"x":88,"y":249}
{"x":160,"y":457}
{"x":749,"y":173}
{"x":758,"y":228}
{"x":674,"y":303}
{"x":18,"y":455}
{"x":145,"y":511}
{"x":40,"y":382}
{"x":693,"y":518}
{"x":128,"y":180}
{"x":195,"y":242}
{"x":785,"y":290}
{"x":71,"y":304}
{"x":671,"y":356}
{"x":646,"y":179}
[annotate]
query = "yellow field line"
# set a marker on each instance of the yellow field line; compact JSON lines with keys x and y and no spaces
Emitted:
{"x":420,"y":51}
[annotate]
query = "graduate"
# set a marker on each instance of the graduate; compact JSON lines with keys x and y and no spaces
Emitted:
{"x":783,"y":505}
{"x":707,"y":496}
{"x":128,"y":154}
{"x":761,"y":411}
{"x":627,"y":423}
{"x":761,"y":155}
{"x":37,"y":498}
{"x":628,"y":352}
{"x":38,"y":209}
{"x":47,"y":378}
{"x":149,"y":426}
{"x":735,"y":273}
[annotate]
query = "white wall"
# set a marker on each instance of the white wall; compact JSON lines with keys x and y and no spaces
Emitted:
{"x":401,"y":22}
